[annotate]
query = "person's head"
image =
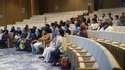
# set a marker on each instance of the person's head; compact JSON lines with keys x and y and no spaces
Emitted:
{"x":67,"y":26}
{"x":83,"y":27}
{"x":93,"y":21}
{"x":106,"y":23}
{"x":32,"y":30}
{"x":100,"y":22}
{"x":18,"y":28}
{"x":122,"y":14}
{"x":61,"y":32}
{"x":95,"y":16}
{"x":26,"y":26}
{"x":116,"y":17}
{"x":45,"y":31}
{"x":12,"y":27}
{"x":59,"y":26}
{"x":109,"y":14}
{"x":122,"y":19}
{"x":5,"y":27}
{"x":87,"y":14}
{"x":47,"y":25}
{"x":61,"y":22}
{"x":56,"y":22}
{"x":83,"y":14}
{"x":103,"y":15}
{"x":34,"y":27}
{"x":52,"y":24}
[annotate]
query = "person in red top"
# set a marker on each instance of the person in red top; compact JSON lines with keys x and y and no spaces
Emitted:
{"x":83,"y":32}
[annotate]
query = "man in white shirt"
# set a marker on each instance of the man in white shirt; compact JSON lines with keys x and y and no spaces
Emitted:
{"x":116,"y":21}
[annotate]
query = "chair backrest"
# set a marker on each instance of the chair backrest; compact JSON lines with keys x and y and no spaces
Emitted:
{"x":94,"y":34}
{"x":122,"y":28}
{"x":123,"y":39}
{"x":89,"y":33}
{"x":109,"y":36}
{"x":108,"y":62}
{"x":117,"y":36}
{"x":103,"y":57}
{"x":101,"y":35}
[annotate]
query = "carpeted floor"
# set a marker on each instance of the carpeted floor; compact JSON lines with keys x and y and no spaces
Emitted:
{"x":16,"y":60}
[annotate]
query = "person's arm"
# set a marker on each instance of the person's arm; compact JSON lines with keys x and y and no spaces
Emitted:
{"x":58,"y":45}
{"x":47,"y":37}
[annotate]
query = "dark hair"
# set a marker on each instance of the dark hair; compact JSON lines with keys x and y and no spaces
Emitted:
{"x":109,"y":13}
{"x":116,"y":16}
{"x":61,"y":32}
{"x":94,"y":19}
{"x":59,"y":26}
{"x":52,"y":24}
{"x":46,"y":30}
{"x":47,"y":25}
{"x":95,"y":15}
{"x":67,"y":25}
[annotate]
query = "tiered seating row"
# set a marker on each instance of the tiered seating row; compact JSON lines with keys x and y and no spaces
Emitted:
{"x":113,"y":41}
{"x":39,"y":20}
{"x":115,"y":28}
{"x":86,"y":54}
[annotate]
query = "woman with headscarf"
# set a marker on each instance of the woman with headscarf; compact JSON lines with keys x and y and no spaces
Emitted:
{"x":83,"y":32}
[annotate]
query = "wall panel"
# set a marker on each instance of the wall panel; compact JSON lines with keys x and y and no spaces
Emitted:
{"x":65,"y":5}
{"x":14,"y":11}
{"x":1,"y":12}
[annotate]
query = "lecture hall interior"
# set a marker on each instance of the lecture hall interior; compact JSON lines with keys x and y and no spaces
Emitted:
{"x":62,"y":34}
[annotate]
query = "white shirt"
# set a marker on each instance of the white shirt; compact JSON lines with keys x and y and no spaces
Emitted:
{"x":115,"y":22}
{"x":94,"y":26}
{"x":1,"y":36}
{"x":108,"y":29}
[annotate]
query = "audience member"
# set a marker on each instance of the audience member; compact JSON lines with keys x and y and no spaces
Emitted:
{"x":116,"y":20}
{"x":83,"y":32}
{"x":110,"y":16}
{"x":102,"y":17}
{"x":94,"y":25}
{"x":76,"y":28}
{"x":95,"y":18}
{"x":122,"y":21}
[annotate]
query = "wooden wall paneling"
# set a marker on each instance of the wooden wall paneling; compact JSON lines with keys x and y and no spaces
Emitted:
{"x":36,"y":7}
{"x":17,"y":10}
{"x":41,"y":7}
{"x":1,"y":13}
{"x":24,"y":9}
{"x":65,"y":5}
{"x":29,"y":9}
{"x":8,"y":11}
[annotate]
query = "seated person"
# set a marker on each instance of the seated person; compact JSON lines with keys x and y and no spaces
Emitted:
{"x":31,"y":37}
{"x":17,"y":36}
{"x":67,"y":30}
{"x":105,"y":26}
{"x":83,"y":32}
{"x":39,"y":43}
{"x":4,"y":41}
{"x":53,"y":47}
{"x":21,"y":42}
{"x":76,"y":28}
{"x":94,"y":25}
{"x":55,"y":55}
